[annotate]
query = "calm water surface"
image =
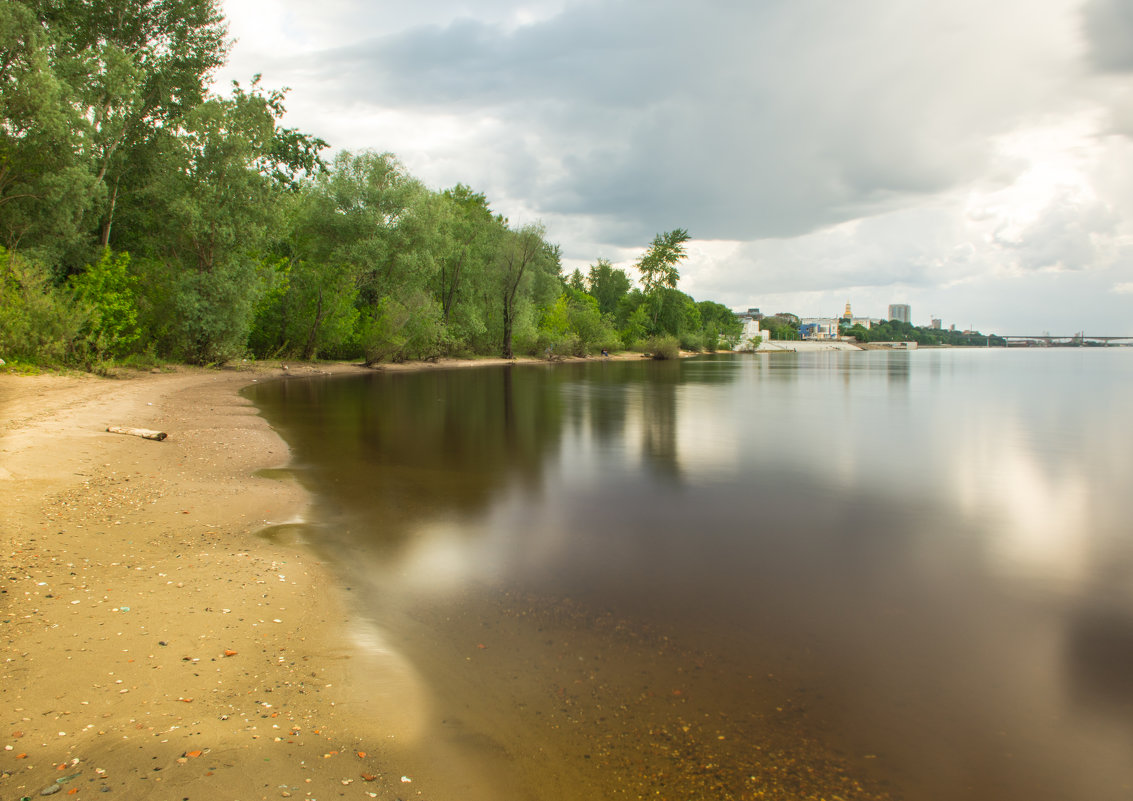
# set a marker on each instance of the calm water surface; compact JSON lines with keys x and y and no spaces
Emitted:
{"x":904,"y":575}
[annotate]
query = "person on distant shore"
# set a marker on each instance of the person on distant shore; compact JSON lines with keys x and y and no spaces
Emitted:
{"x":605,"y":352}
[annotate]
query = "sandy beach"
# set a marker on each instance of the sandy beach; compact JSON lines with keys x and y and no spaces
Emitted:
{"x":154,"y":645}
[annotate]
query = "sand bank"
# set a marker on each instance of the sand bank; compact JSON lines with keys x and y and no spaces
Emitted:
{"x":153,"y":644}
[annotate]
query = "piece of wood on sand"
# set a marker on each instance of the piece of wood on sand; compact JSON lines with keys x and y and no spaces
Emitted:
{"x":144,"y":433}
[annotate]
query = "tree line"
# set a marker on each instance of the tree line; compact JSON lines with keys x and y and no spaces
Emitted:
{"x":144,"y":216}
{"x":898,"y":331}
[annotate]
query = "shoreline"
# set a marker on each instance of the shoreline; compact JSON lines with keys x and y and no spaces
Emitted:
{"x":153,"y":634}
{"x":152,"y":637}
{"x":156,"y":634}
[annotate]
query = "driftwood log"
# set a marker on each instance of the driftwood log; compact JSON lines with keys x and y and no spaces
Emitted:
{"x":144,"y":433}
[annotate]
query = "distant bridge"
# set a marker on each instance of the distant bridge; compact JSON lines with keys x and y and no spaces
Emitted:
{"x":1072,"y":340}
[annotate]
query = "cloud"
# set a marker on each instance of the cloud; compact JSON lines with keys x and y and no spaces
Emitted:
{"x":773,"y":118}
{"x":813,"y":148}
{"x":1108,"y":25}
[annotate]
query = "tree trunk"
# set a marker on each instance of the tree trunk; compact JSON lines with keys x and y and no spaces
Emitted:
{"x":110,"y":215}
{"x":309,"y":348}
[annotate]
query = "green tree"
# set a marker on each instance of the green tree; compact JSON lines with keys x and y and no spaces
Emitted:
{"x":608,"y":284}
{"x":721,"y":327}
{"x":472,"y":233}
{"x":44,"y":189}
{"x":658,"y":268}
{"x":521,"y":253}
{"x":780,"y":326}
{"x":216,"y":201}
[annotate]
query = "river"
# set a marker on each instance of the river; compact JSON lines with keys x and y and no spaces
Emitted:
{"x":865,"y":574}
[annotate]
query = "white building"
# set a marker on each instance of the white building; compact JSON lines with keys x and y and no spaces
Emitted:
{"x":819,"y":327}
{"x":750,"y":332}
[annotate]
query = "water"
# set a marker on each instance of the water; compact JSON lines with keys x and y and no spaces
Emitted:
{"x":859,"y":574}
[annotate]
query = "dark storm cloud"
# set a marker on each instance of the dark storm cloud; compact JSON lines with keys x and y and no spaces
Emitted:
{"x":1108,"y":25}
{"x":733,"y":120}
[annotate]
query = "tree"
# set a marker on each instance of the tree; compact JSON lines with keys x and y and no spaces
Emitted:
{"x":721,"y":327}
{"x":119,"y":74}
{"x":44,"y":189}
{"x":216,"y":202}
{"x":608,"y":285}
{"x":658,"y":266}
{"x":780,"y":326}
{"x":38,"y":321}
{"x":518,"y":252}
{"x":471,"y":232}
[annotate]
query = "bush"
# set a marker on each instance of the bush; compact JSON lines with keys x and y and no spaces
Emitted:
{"x":39,"y":322}
{"x":106,"y":289}
{"x":693,"y":341}
{"x":399,"y":331}
{"x":663,"y":347}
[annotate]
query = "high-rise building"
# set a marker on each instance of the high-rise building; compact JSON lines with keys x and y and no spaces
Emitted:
{"x":900,"y":311}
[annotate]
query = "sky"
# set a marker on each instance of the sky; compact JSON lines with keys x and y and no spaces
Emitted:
{"x":973,"y":158}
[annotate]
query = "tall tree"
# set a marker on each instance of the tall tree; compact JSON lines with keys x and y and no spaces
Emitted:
{"x":608,"y":285}
{"x":522,"y":259}
{"x":658,"y":266}
{"x":44,"y":189}
{"x":125,"y":73}
{"x":215,"y":202}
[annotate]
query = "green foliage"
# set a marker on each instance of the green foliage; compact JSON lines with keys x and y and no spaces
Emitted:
{"x":108,"y":291}
{"x":608,"y":285}
{"x":574,"y":326}
{"x":781,"y":327}
{"x":39,"y":323}
{"x":658,"y":265}
{"x":212,"y":313}
{"x":898,"y":331}
{"x":721,"y":327}
{"x":636,"y":328}
{"x":403,"y":329}
{"x":663,"y":347}
{"x":693,"y":341}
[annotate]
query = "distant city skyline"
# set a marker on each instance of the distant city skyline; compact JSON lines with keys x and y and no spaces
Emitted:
{"x":947,"y":154}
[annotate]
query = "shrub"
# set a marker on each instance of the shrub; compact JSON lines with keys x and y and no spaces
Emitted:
{"x":106,"y":289}
{"x":399,"y":331}
{"x":663,"y":347}
{"x":39,"y":323}
{"x":693,"y":341}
